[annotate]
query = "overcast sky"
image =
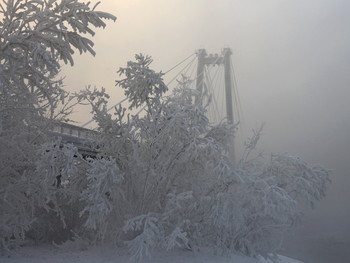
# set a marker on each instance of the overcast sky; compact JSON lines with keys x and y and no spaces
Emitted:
{"x":291,"y":57}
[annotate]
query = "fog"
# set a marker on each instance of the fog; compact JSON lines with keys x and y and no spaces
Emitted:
{"x":292,"y":64}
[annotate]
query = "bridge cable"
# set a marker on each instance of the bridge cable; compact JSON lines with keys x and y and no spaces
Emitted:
{"x":236,"y":93}
{"x":222,"y":93}
{"x":202,"y":73}
{"x":240,"y":113}
{"x":192,"y":70}
{"x":211,"y":110}
{"x":217,"y":95}
{"x":187,"y":66}
{"x":214,"y":81}
{"x":178,"y":64}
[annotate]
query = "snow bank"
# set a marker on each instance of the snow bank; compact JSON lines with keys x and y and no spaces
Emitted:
{"x":44,"y":254}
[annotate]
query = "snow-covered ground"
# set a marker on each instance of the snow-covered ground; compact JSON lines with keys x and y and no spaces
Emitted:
{"x":51,"y":254}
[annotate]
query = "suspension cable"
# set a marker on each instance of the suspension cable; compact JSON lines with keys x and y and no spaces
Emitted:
{"x":218,"y":80}
{"x":178,"y":64}
{"x":212,"y":110}
{"x":239,"y":111}
{"x":236,"y":94}
{"x":188,"y":65}
{"x":215,"y":61}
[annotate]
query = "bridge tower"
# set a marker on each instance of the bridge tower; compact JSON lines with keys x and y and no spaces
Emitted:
{"x":224,"y":59}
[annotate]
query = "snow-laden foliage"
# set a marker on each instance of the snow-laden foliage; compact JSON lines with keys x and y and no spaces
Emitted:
{"x":180,"y":187}
{"x":142,"y":83}
{"x":35,"y":38}
{"x":100,"y":194}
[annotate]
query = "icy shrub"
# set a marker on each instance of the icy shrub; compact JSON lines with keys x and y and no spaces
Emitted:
{"x":100,"y":194}
{"x":36,"y":37}
{"x":180,"y":188}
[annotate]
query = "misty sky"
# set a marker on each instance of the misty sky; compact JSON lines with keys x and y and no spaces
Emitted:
{"x":291,"y":58}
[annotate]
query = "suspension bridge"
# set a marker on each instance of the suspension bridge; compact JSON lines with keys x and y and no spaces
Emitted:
{"x":212,"y":75}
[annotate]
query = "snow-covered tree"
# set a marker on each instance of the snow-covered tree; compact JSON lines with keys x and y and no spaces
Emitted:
{"x":179,"y":187}
{"x":35,"y":38}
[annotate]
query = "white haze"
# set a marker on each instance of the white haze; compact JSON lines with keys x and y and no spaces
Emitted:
{"x":292,"y":62}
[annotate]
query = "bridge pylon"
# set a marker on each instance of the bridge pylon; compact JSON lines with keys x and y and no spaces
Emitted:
{"x":214,"y":59}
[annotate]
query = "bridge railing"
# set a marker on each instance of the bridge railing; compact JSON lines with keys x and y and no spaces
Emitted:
{"x":82,"y":138}
{"x":73,"y":130}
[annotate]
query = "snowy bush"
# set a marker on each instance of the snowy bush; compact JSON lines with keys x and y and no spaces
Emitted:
{"x":180,"y":186}
{"x":35,"y":37}
{"x":101,"y":194}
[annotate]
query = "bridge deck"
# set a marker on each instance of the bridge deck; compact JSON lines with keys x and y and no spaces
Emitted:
{"x":82,"y":138}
